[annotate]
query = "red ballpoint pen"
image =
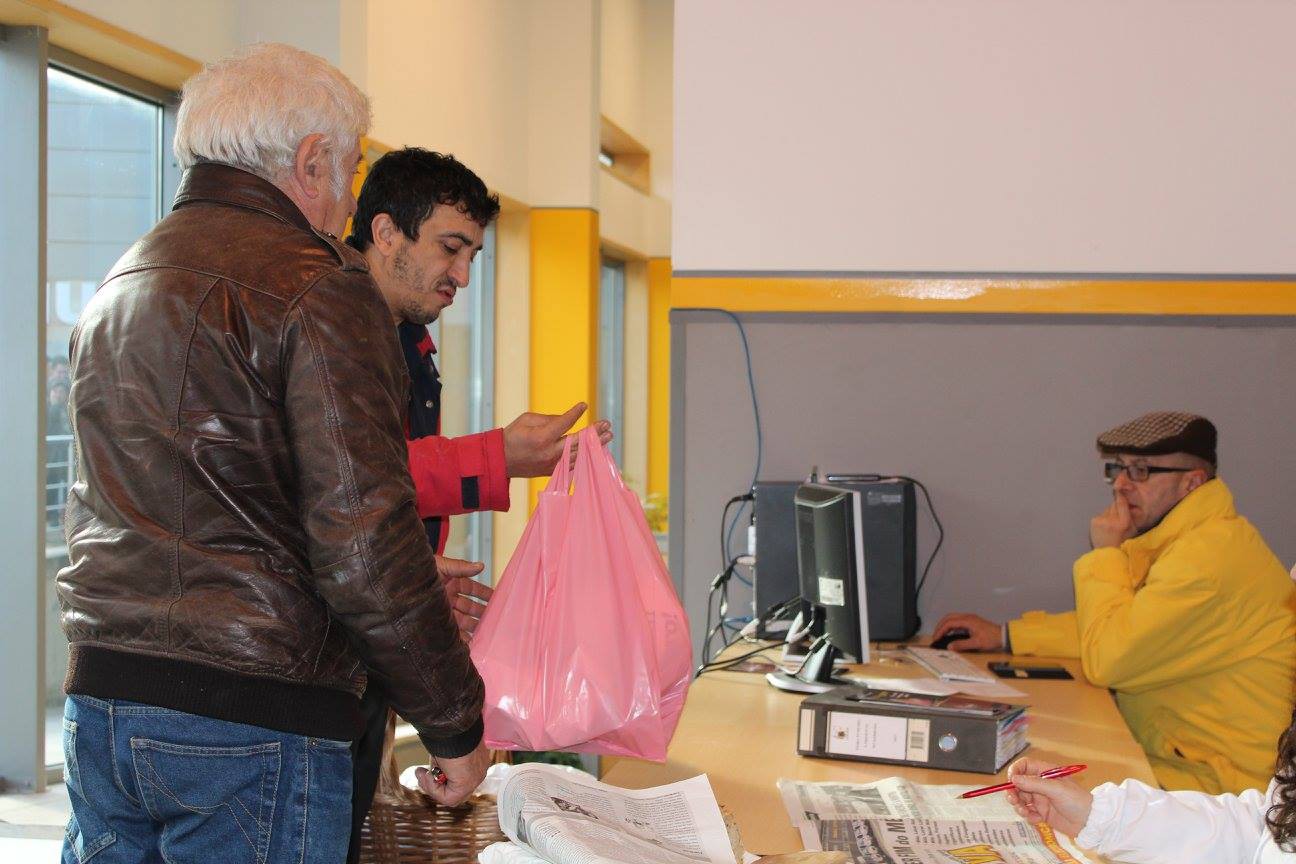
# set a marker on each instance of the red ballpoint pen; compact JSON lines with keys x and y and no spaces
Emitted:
{"x":1050,"y":774}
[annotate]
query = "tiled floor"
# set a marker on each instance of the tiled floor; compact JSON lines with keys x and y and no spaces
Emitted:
{"x":31,"y":826}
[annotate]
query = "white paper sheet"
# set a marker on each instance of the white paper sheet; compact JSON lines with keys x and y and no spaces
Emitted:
{"x":937,"y":687}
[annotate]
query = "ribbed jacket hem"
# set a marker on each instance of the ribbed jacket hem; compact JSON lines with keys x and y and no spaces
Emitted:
{"x":208,"y":691}
{"x":456,"y":745}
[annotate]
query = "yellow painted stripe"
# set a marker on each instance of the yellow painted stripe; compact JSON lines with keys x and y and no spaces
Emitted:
{"x":1052,"y":296}
{"x":370,"y":152}
{"x":564,"y":312}
{"x":659,"y":301}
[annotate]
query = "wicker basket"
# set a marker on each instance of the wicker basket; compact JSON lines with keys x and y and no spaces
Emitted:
{"x":405,"y":826}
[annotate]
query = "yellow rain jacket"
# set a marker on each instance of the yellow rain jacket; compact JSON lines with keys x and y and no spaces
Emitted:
{"x":1193,"y":626}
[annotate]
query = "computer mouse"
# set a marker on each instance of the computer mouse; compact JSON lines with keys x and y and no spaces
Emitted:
{"x":950,"y":636}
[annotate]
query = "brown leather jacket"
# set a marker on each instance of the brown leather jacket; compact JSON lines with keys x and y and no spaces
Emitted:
{"x":243,"y":538}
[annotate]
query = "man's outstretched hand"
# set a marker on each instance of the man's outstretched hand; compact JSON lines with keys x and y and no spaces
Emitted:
{"x":467,"y":596}
{"x":533,"y":442}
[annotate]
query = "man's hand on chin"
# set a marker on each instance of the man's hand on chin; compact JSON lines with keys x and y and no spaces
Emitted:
{"x":1113,"y":526}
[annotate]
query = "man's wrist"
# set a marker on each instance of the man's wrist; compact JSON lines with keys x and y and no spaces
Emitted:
{"x":457,"y":745}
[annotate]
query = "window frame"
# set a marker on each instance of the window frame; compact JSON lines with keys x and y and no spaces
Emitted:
{"x":480,"y":380}
{"x":24,"y":75}
{"x":611,"y":349}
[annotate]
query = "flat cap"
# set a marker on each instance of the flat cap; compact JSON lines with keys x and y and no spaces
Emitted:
{"x":1162,"y":432}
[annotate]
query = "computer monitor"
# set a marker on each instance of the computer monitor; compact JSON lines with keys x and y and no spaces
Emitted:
{"x":830,"y":560}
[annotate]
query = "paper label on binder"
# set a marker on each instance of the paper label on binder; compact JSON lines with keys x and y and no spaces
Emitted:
{"x":851,"y":734}
{"x":806,"y":732}
{"x":832,"y":592}
{"x":919,"y":735}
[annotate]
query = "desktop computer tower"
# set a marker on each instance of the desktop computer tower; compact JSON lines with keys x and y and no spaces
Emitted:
{"x":775,"y":578}
{"x":889,"y":516}
{"x":890,"y":557}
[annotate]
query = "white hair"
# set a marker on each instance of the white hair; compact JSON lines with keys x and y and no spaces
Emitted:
{"x":253,"y":108}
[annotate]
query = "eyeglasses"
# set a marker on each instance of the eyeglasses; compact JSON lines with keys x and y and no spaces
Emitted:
{"x":1137,"y":471}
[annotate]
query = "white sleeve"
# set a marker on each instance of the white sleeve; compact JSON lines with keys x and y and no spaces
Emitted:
{"x":1136,"y":823}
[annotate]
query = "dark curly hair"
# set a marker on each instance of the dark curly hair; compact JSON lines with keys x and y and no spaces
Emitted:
{"x":1281,"y":817}
{"x":408,"y":184}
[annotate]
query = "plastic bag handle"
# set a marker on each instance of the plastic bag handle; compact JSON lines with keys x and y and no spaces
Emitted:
{"x":560,"y":479}
{"x":597,"y":460}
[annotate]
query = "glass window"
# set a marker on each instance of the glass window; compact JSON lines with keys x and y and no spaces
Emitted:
{"x":465,"y":340}
{"x":611,"y":342}
{"x":104,"y":190}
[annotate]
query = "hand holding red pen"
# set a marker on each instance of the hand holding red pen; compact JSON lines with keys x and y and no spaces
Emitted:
{"x":1062,"y":803}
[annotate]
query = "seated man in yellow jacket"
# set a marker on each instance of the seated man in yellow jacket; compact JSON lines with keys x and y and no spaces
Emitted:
{"x":1181,"y":609}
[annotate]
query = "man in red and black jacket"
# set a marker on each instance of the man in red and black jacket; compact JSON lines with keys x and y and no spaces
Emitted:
{"x":419,"y":223}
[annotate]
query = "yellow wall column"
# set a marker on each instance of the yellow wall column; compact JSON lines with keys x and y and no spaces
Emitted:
{"x":659,"y":301}
{"x":564,"y":312}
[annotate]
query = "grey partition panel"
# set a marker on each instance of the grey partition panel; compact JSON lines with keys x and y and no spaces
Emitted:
{"x":997,"y":414}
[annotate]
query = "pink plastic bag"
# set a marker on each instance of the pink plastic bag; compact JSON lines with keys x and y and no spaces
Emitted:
{"x":584,"y":645}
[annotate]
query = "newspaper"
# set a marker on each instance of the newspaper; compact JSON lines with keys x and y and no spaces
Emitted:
{"x":893,"y":821}
{"x":937,"y":687}
{"x":565,"y":818}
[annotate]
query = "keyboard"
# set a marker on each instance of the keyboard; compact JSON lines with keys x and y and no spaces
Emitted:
{"x":949,"y":665}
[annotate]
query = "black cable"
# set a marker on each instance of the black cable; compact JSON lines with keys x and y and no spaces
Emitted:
{"x":719,"y":583}
{"x":727,"y":535}
{"x":724,"y":553}
{"x":931,"y":508}
{"x":732,"y":661}
{"x":706,"y":622}
{"x":940,"y":532}
{"x":724,"y":542}
{"x":725,"y":639}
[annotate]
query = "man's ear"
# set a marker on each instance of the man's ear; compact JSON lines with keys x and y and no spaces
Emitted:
{"x":384,"y":233}
{"x":312,"y":166}
{"x":1195,"y":478}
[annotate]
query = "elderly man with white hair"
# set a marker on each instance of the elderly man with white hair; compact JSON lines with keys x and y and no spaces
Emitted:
{"x":243,"y":540}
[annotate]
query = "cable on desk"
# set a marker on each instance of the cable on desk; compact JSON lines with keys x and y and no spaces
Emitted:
{"x":719,"y":584}
{"x":720,"y":665}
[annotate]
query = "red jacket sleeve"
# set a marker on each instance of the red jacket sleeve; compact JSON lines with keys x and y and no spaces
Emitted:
{"x":459,"y":475}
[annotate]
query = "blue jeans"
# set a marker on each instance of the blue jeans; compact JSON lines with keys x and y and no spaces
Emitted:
{"x":154,"y":785}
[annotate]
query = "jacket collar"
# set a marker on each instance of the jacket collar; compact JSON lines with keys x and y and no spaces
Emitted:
{"x":225,"y":184}
{"x":1211,"y":500}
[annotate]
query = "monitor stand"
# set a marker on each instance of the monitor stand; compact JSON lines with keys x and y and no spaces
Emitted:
{"x":815,"y":674}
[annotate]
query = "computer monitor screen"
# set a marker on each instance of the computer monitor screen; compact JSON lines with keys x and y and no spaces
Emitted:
{"x":830,"y":559}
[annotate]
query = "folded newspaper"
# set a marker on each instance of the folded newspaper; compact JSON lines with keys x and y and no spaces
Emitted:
{"x":894,"y":821}
{"x":566,"y":817}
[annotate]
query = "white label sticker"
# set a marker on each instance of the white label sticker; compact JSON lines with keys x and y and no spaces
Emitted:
{"x":805,"y":734}
{"x":867,"y":735}
{"x":919,"y":735}
{"x":832,"y":592}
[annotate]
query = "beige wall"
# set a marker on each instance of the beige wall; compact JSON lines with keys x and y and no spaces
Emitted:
{"x":635,"y":78}
{"x":510,"y":88}
{"x":635,"y":93}
{"x":208,"y":29}
{"x":1001,"y":135}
